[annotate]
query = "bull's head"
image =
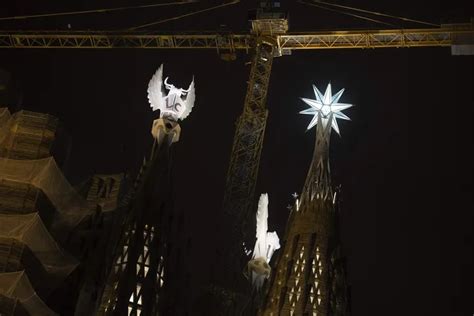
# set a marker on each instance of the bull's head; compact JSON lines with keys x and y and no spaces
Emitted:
{"x":170,"y":86}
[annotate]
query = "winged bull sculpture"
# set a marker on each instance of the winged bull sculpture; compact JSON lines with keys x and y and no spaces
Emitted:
{"x":174,"y":105}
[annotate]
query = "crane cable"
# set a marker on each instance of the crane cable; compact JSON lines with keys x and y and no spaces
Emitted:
{"x":184,"y":15}
{"x":376,"y":13}
{"x":96,"y":10}
{"x":347,"y":13}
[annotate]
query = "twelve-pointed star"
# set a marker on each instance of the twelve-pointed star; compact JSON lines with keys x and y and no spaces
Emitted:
{"x":324,"y":106}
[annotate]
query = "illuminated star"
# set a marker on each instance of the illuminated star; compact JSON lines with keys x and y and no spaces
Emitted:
{"x":326,"y":107}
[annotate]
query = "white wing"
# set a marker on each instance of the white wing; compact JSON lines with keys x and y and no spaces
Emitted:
{"x":262,"y":215}
{"x":189,"y":101}
{"x":272,"y":244}
{"x":156,"y":91}
{"x":262,"y":227}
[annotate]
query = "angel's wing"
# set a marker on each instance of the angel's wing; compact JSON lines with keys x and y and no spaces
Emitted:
{"x":189,"y":101}
{"x":272,"y":244}
{"x":262,"y":226}
{"x":262,"y":215}
{"x":156,"y":90}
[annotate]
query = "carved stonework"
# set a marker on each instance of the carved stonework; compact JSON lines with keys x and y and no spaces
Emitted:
{"x":163,"y":127}
{"x":309,"y":277}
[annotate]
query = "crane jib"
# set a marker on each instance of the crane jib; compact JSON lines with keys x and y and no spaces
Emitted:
{"x":459,"y":34}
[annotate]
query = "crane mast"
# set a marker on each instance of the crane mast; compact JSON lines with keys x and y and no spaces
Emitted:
{"x":250,"y":126}
{"x":249,"y":133}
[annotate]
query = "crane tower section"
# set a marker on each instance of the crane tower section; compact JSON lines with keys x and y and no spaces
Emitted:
{"x":250,"y":126}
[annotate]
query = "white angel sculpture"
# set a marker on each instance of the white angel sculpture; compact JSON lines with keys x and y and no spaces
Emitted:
{"x":258,"y":268}
{"x":177,"y":104}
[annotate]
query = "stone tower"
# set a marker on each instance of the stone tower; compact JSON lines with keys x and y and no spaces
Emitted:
{"x":136,"y":278}
{"x":309,"y":276}
{"x":136,"y":284}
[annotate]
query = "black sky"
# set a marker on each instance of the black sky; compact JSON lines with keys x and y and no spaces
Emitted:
{"x":404,"y":161}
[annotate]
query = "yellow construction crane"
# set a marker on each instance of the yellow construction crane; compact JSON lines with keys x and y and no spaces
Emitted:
{"x":269,"y":38}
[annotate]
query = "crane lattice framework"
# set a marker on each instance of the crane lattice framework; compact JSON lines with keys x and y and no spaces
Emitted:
{"x":444,"y":36}
{"x":249,"y":132}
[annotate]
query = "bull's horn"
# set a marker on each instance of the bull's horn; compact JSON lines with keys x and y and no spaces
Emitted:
{"x":167,"y":84}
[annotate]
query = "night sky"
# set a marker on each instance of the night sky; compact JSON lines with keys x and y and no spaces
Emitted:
{"x":404,"y":161}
